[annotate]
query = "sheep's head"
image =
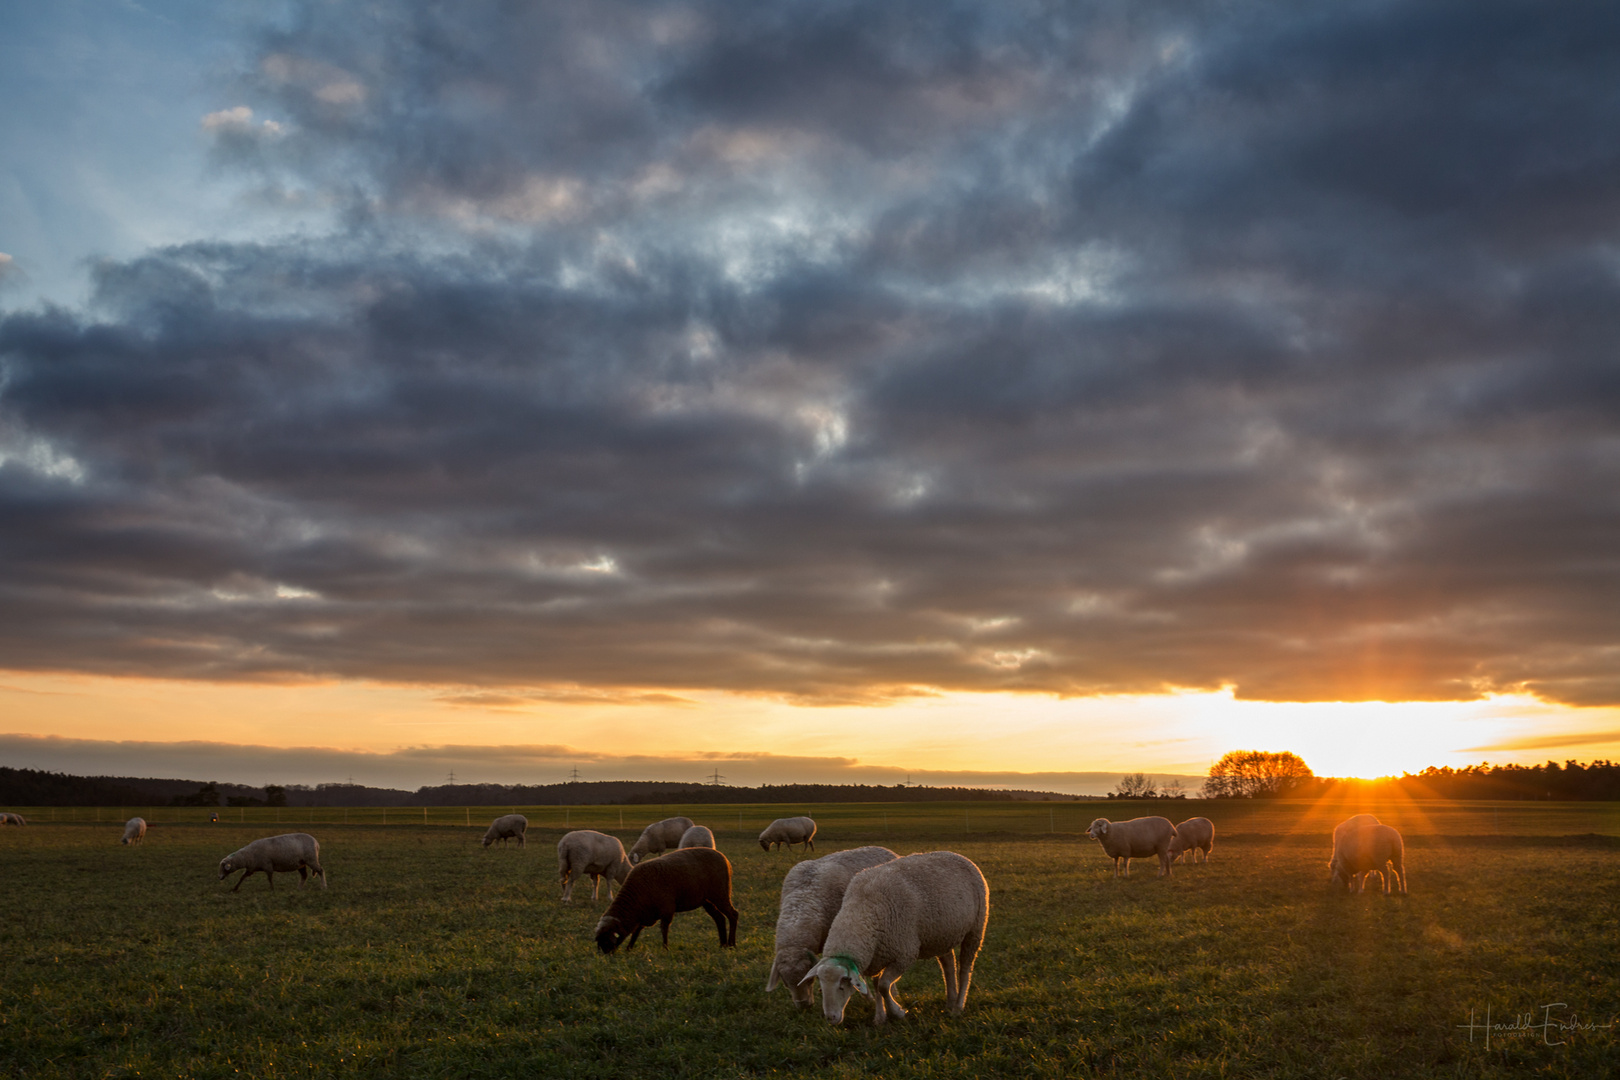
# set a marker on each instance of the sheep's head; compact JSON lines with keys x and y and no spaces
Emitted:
{"x":1341,"y":878}
{"x":764,"y":845}
{"x":610,"y":931}
{"x":226,"y":866}
{"x":840,"y":978}
{"x":790,"y":969}
{"x":1099,"y":828}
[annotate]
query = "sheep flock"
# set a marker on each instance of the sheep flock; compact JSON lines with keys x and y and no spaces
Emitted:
{"x":850,"y":922}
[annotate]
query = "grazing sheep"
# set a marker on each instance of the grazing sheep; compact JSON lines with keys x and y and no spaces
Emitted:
{"x":811,"y":895}
{"x":505,"y":828}
{"x":895,"y":914}
{"x":1137,"y":838}
{"x":1350,"y":824}
{"x":1361,"y":849}
{"x":586,"y":851}
{"x":134,"y":831}
{"x":697,"y":836}
{"x":789,"y":831}
{"x":681,"y":881}
{"x":659,"y":837}
{"x":1193,"y":835}
{"x":275,"y":854}
{"x":12,"y":819}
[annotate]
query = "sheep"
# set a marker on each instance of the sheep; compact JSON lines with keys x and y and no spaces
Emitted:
{"x":134,"y":831}
{"x":1192,"y":836}
{"x":505,"y":828}
{"x":272,"y":854}
{"x":1137,"y":838}
{"x":895,"y":914}
{"x":12,"y":819}
{"x":659,"y":837}
{"x":1361,"y":849}
{"x":1352,"y":823}
{"x":586,"y":851}
{"x":811,"y":895}
{"x":655,"y":890}
{"x":697,"y":836}
{"x":789,"y":831}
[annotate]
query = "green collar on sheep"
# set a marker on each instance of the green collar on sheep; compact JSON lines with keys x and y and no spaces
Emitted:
{"x":852,"y":969}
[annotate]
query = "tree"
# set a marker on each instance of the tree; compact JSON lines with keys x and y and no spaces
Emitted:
{"x":1134,"y":786}
{"x":1173,"y":790}
{"x":275,"y":795}
{"x":1252,"y":774}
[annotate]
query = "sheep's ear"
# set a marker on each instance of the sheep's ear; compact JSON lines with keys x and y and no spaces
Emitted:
{"x":813,"y":973}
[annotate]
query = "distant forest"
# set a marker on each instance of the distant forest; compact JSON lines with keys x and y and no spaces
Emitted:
{"x":31,"y":787}
{"x":1599,"y":780}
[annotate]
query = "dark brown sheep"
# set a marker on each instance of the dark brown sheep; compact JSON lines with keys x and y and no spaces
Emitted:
{"x":655,"y":890}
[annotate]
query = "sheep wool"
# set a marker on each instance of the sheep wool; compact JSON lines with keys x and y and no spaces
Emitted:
{"x":659,"y":837}
{"x":894,"y":914}
{"x":586,"y":852}
{"x":276,"y":854}
{"x":812,"y":893}
{"x":657,"y":890}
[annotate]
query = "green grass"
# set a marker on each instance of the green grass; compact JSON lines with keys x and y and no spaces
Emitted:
{"x":429,"y":956}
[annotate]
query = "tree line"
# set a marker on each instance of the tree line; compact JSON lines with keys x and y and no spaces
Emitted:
{"x":1261,"y":774}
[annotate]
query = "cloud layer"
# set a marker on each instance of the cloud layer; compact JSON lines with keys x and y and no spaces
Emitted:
{"x":808,"y":350}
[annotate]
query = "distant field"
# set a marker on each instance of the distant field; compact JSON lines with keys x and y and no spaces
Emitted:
{"x":431,"y":957}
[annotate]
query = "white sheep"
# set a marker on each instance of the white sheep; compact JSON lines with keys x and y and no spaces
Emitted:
{"x":1137,"y":838}
{"x":789,"y":831}
{"x":1362,"y":848}
{"x":1193,"y":835}
{"x":134,"y":831}
{"x":811,"y":895}
{"x":895,"y":914}
{"x":505,"y":828}
{"x":12,"y":819}
{"x":586,"y":851}
{"x":276,"y":854}
{"x":697,"y":836}
{"x":659,"y":837}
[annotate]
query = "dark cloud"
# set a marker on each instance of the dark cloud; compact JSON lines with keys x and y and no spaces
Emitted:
{"x":796,"y":350}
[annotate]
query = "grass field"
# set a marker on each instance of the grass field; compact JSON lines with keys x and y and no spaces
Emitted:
{"x":430,"y":957}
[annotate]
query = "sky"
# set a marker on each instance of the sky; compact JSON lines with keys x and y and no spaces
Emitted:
{"x":1003,"y":393}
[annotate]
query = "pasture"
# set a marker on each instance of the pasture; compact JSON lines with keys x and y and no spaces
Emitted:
{"x":431,"y":957}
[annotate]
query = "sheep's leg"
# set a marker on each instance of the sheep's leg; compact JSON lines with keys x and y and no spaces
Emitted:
{"x":888,"y":1002}
{"x":1127,"y":866}
{"x":596,"y":886}
{"x":241,"y":879}
{"x":567,"y":884}
{"x":521,"y":841}
{"x":965,"y":954}
{"x":947,"y":969}
{"x":632,"y":942}
{"x":303,"y":874}
{"x":663,"y":924}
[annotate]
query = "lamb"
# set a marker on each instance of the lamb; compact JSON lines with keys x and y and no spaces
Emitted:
{"x":273,"y":854}
{"x":680,"y":881}
{"x":811,"y":895}
{"x":895,"y":914}
{"x":1135,"y":839}
{"x":12,"y":819}
{"x":789,"y":831}
{"x":1193,"y":835}
{"x":697,"y":836}
{"x":586,"y":851}
{"x":1362,"y":848}
{"x":505,"y":828}
{"x":134,"y":831}
{"x":659,"y":837}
